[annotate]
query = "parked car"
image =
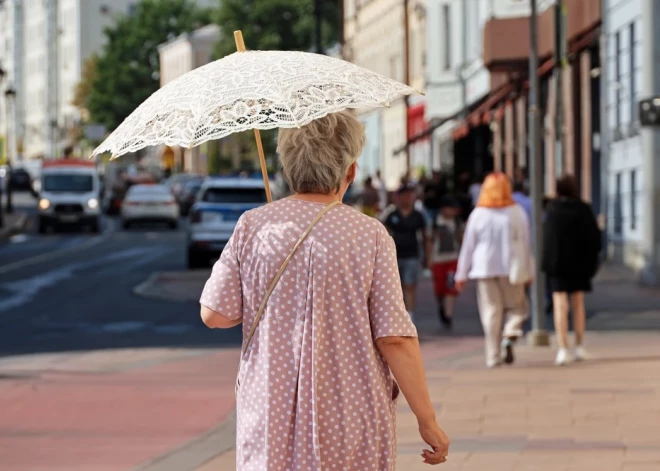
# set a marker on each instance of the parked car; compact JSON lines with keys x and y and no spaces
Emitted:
{"x":188,"y":195}
{"x":149,"y":203}
{"x":21,"y":180}
{"x":214,"y":215}
{"x":176,"y":182}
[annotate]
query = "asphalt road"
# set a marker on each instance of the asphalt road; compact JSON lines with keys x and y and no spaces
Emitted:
{"x":73,"y":291}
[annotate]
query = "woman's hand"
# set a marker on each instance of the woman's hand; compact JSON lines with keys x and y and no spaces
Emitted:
{"x":437,"y":439}
{"x":459,"y":285}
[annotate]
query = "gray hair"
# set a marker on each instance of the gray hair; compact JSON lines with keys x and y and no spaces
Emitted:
{"x":316,"y":157}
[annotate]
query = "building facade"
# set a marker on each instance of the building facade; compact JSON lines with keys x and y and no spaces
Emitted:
{"x":633,"y":183}
{"x":43,"y":45}
{"x":177,"y":57}
{"x":374,"y":37}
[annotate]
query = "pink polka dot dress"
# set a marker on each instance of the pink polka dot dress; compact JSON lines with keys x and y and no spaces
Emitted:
{"x":315,"y":394}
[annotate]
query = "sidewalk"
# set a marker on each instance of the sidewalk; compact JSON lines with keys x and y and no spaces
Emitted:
{"x":13,"y":223}
{"x":601,"y":415}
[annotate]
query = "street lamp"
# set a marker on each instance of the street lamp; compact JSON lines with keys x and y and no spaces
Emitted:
{"x":10,"y":95}
{"x":3,"y":173}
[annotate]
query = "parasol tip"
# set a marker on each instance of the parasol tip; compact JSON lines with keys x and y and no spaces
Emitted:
{"x":387,"y":104}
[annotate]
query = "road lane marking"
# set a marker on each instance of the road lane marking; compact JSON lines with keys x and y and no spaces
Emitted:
{"x":23,"y":291}
{"x":50,"y":255}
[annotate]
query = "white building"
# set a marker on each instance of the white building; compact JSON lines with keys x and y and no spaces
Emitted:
{"x":44,"y":71}
{"x":374,"y":38}
{"x":456,"y":78}
{"x":179,"y":56}
{"x":632,"y":181}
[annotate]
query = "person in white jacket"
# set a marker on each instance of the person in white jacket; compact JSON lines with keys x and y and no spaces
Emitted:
{"x":496,"y":253}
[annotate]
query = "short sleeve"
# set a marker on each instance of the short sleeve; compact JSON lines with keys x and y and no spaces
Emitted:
{"x":387,"y":311}
{"x":222,"y":291}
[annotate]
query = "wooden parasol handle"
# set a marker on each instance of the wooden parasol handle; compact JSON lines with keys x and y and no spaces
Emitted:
{"x":240,"y":47}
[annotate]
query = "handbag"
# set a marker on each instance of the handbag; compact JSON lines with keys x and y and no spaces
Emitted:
{"x":276,"y":279}
{"x":519,"y":253}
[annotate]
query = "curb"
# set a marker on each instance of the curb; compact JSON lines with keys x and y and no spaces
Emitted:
{"x":146,"y":289}
{"x":192,"y":455}
{"x":17,"y":227}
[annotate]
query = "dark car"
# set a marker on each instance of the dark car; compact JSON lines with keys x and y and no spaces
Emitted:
{"x":20,"y":180}
{"x":188,"y":195}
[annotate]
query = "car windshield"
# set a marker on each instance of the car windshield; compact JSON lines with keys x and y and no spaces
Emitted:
{"x":71,"y":183}
{"x":234,"y":195}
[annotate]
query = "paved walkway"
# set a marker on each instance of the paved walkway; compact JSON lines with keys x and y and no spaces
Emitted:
{"x":602,"y":415}
{"x":12,"y":223}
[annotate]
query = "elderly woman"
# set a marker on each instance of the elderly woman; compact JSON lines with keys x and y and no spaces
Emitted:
{"x":496,"y":252}
{"x":315,"y":388}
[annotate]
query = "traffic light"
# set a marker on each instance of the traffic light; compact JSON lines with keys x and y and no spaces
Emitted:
{"x":649,"y":111}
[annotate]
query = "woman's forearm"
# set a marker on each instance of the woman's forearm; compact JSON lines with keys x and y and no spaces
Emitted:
{"x":405,"y":360}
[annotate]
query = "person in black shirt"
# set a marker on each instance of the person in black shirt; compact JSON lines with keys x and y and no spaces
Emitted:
{"x":406,"y":225}
{"x":434,"y":192}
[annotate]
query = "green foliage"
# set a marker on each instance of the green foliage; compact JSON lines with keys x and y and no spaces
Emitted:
{"x":84,"y":87}
{"x":274,"y":24}
{"x":127,"y":70}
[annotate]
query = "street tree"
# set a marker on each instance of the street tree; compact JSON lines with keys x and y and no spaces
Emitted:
{"x":284,"y":25}
{"x":127,"y":71}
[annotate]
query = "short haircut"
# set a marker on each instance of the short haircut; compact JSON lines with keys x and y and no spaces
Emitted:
{"x":567,"y":187}
{"x":316,"y":157}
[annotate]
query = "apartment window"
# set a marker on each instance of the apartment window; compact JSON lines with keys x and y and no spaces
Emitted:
{"x":633,"y":199}
{"x":617,"y":76}
{"x":446,"y":35}
{"x":618,"y":210}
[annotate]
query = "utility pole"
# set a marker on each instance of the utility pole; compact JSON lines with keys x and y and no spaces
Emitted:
{"x":464,"y":60}
{"x":318,"y":15}
{"x":12,"y":155}
{"x":604,"y":126}
{"x":538,"y":336}
{"x":651,"y":144}
{"x":52,"y":41}
{"x":406,"y":77}
{"x":561,"y":60}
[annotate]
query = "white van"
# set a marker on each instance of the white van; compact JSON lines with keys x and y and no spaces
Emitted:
{"x":69,"y":195}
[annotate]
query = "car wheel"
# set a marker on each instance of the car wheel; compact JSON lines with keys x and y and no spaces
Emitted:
{"x":126,"y":225}
{"x":43,"y":228}
{"x":174,"y":225}
{"x":195,"y":261}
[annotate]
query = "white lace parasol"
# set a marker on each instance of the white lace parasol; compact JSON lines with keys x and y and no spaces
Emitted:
{"x":250,"y":90}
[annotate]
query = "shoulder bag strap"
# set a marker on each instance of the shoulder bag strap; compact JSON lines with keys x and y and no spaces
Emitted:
{"x":273,"y":284}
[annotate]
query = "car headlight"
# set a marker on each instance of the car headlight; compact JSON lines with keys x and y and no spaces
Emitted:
{"x":44,"y":204}
{"x":93,"y":203}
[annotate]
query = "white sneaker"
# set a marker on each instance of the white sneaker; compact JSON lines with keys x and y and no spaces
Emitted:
{"x":581,"y":353}
{"x":564,"y":357}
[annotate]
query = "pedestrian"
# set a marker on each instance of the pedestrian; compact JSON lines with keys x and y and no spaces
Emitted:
{"x":496,"y":253}
{"x":520,"y":197}
{"x":571,"y":248}
{"x":379,"y":184}
{"x":327,"y":341}
{"x":408,"y":226}
{"x":474,"y":190}
{"x":444,"y":258}
{"x":369,"y":198}
{"x":434,"y":192}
